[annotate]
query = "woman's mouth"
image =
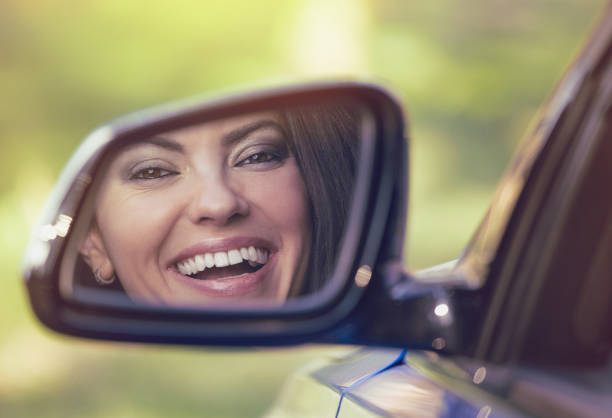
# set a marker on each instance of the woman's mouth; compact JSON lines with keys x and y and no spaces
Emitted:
{"x":222,"y":265}
{"x":223,"y":268}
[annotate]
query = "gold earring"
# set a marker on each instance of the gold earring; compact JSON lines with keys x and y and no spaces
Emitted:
{"x":103,"y":280}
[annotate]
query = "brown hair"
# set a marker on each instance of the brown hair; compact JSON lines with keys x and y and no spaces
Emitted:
{"x":324,"y":141}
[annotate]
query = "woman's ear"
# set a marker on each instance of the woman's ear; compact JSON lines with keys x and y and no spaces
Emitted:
{"x":94,"y":253}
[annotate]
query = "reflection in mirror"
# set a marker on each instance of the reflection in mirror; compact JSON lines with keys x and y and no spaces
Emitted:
{"x":249,"y":209}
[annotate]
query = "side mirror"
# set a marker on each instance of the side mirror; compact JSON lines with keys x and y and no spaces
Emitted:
{"x":255,"y":219}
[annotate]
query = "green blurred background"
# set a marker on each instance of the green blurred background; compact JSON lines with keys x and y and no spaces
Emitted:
{"x":471,"y":75}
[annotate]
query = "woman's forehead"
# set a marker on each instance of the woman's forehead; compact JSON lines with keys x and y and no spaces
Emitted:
{"x":228,"y":129}
{"x":222,"y":132}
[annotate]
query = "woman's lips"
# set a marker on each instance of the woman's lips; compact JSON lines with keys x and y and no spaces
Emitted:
{"x":231,"y":286}
{"x":219,"y":267}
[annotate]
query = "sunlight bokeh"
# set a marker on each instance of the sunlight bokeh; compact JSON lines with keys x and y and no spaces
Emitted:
{"x":330,"y":38}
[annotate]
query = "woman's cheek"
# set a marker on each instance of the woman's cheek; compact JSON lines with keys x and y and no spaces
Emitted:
{"x":136,"y":225}
{"x":282,"y":196}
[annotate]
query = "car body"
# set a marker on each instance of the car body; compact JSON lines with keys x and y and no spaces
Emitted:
{"x":515,"y":326}
{"x":546,"y":235}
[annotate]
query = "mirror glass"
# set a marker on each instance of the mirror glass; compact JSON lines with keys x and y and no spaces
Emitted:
{"x":248,"y":209}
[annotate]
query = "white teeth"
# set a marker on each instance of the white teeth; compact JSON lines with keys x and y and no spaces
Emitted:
{"x":192,"y":266}
{"x":252,"y":253}
{"x":244,"y":253}
{"x":199,"y":259}
{"x":209,"y":260}
{"x":234,"y":257}
{"x":186,"y":267}
{"x":200,"y":262}
{"x":261,"y":256}
{"x":182,"y":269}
{"x":221,"y":259}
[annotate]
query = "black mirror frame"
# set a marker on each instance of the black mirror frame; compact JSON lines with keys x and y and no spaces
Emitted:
{"x":375,"y":235}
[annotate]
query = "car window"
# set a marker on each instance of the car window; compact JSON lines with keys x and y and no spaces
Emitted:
{"x":553,"y":300}
{"x":575,"y":263}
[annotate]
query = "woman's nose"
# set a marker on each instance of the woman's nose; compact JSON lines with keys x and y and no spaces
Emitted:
{"x":216,"y":201}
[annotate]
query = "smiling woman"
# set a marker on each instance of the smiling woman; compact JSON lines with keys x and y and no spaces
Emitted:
{"x":250,"y":207}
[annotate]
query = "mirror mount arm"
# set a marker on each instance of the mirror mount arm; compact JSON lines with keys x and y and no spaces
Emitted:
{"x":408,"y":312}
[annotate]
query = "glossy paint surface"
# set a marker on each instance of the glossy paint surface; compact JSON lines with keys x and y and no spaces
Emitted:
{"x":360,"y":384}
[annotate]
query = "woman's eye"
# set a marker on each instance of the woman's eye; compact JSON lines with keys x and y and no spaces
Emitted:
{"x":259,"y":157}
{"x":152,"y":173}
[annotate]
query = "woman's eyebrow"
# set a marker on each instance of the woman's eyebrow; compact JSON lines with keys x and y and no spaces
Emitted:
{"x":160,"y":141}
{"x":243,"y":131}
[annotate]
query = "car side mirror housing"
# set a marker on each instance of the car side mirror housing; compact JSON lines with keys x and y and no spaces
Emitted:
{"x":268,"y":218}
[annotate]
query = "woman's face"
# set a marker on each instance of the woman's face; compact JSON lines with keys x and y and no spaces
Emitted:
{"x":207,"y":214}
